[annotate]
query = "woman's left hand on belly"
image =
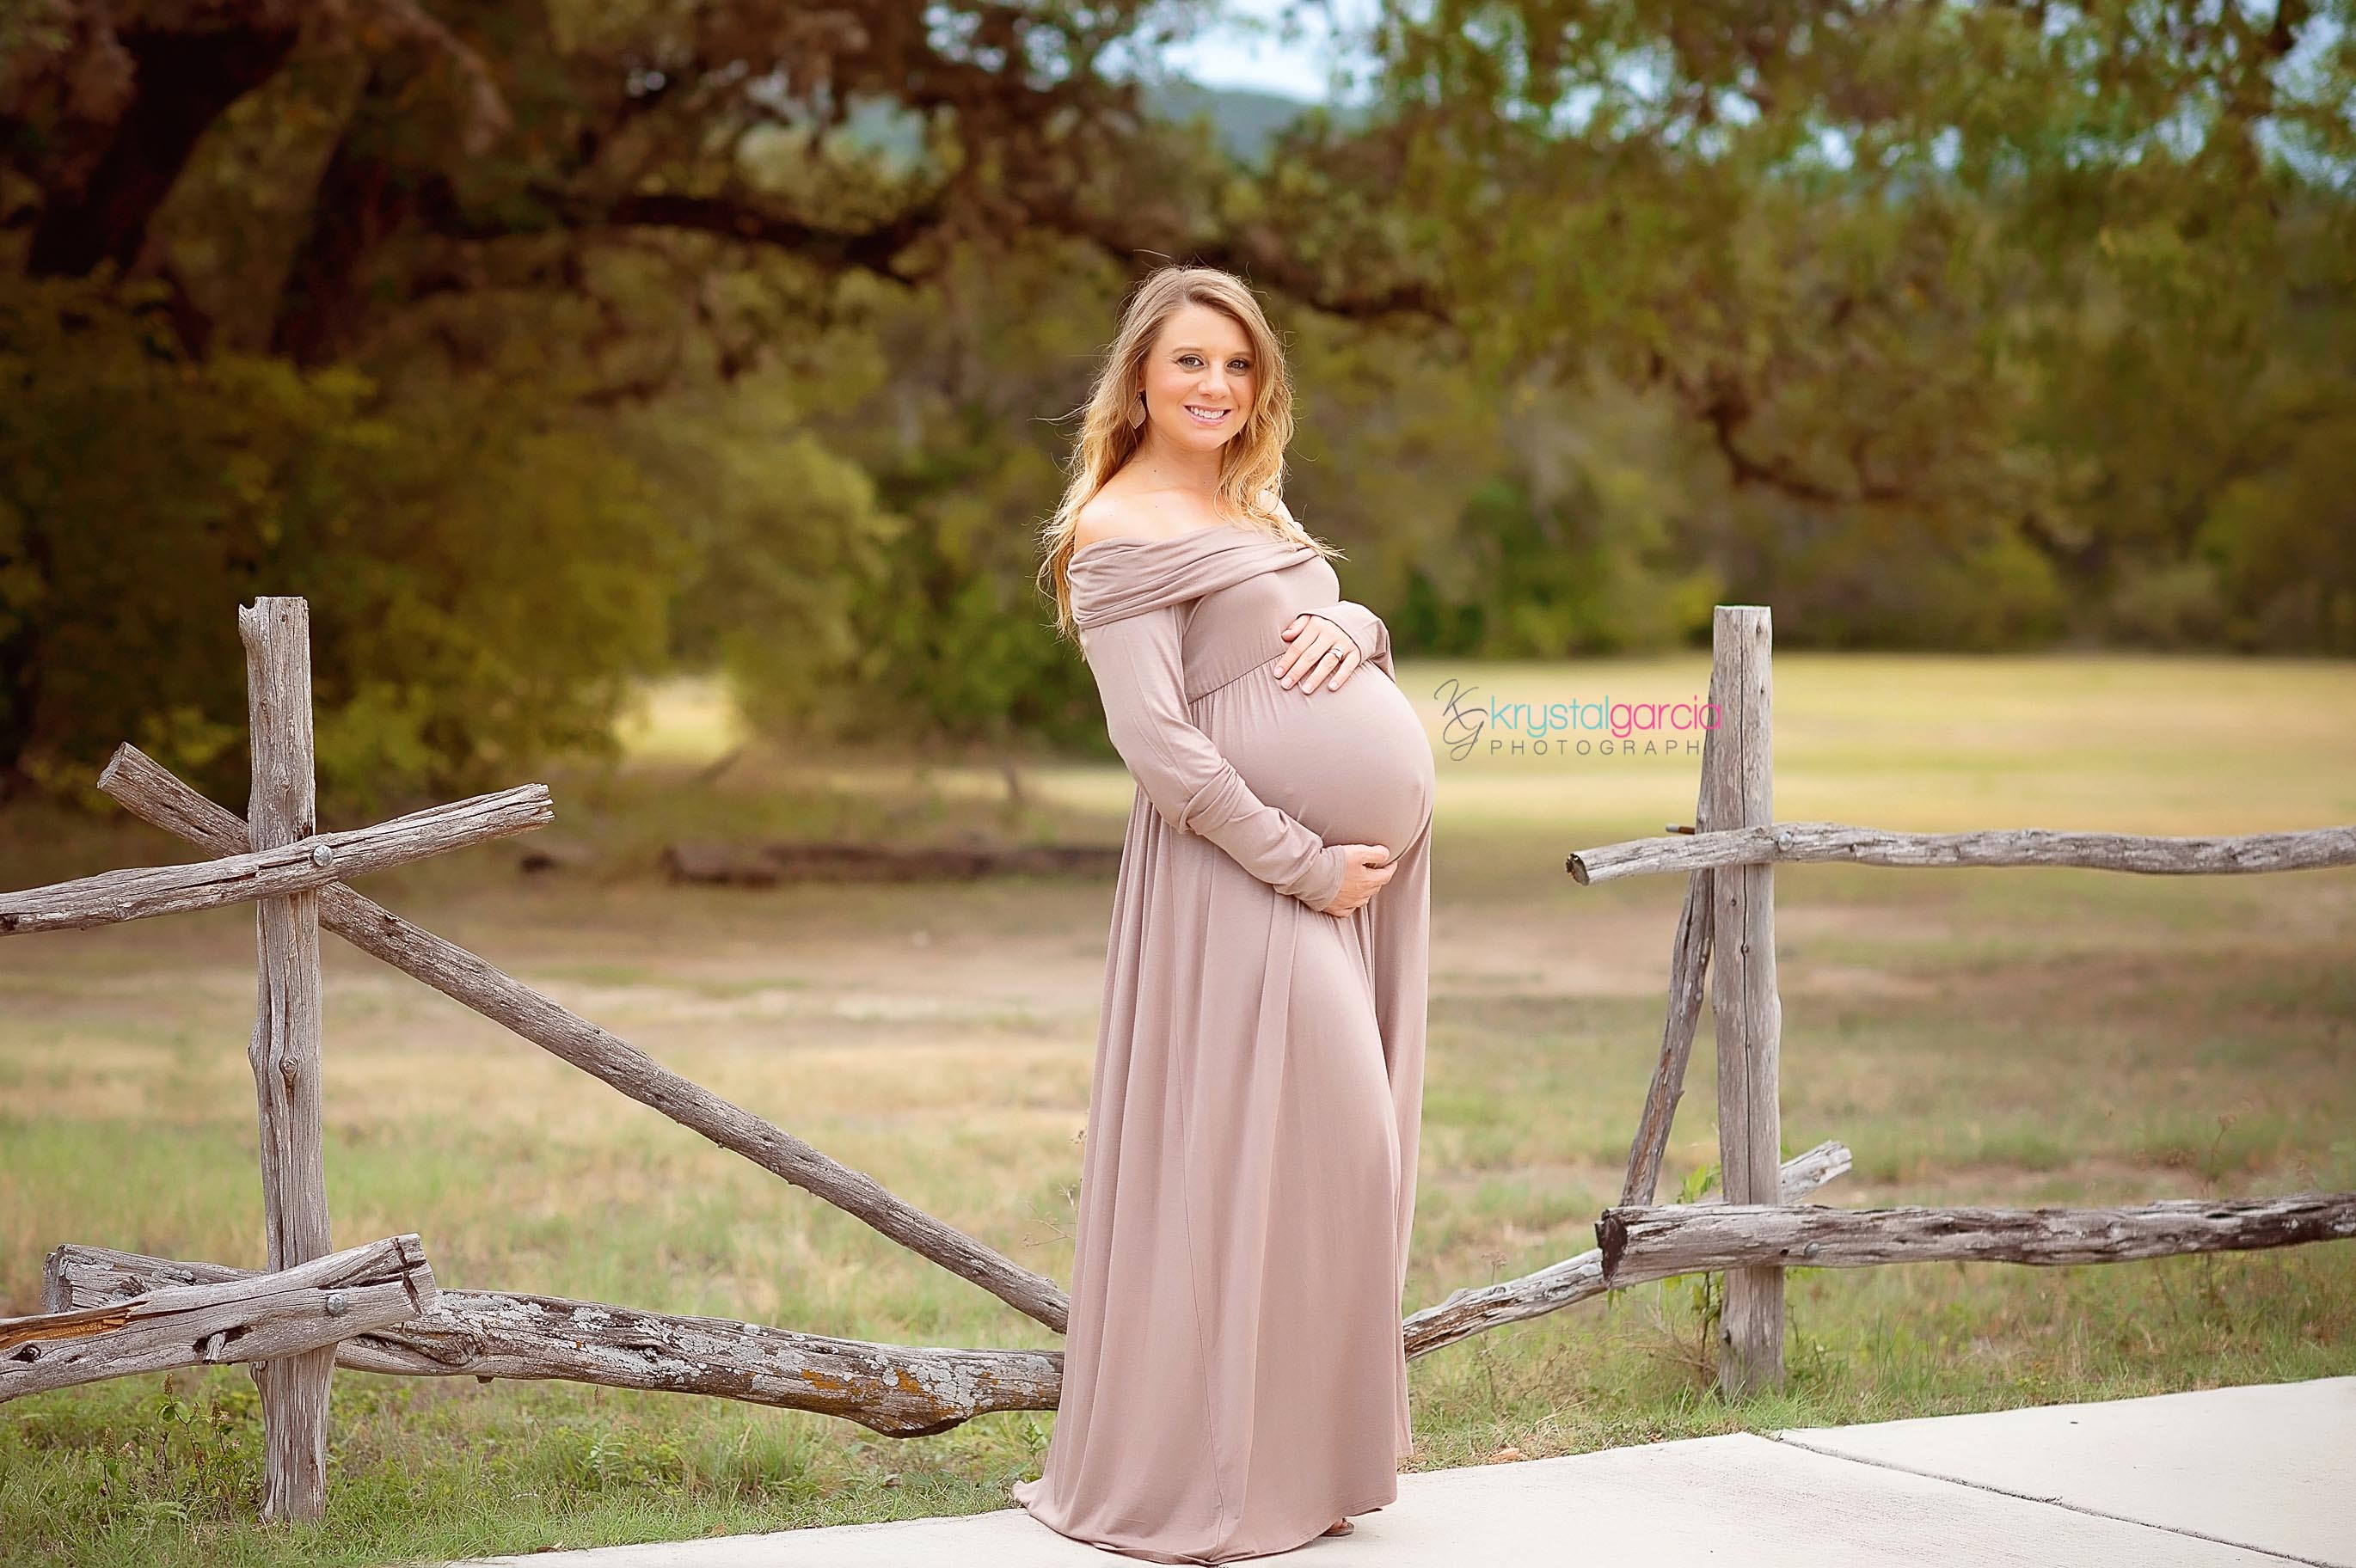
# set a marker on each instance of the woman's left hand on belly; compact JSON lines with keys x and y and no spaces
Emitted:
{"x":1321,"y":651}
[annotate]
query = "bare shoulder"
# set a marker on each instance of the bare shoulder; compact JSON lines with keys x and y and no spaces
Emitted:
{"x":1275,"y":502}
{"x":1124,"y":511}
{"x":1108,"y":515}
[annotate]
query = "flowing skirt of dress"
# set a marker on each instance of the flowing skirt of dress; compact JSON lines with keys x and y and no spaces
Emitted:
{"x":1234,"y":1378}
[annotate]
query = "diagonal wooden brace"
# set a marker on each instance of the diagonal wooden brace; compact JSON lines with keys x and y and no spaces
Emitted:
{"x":150,"y":790}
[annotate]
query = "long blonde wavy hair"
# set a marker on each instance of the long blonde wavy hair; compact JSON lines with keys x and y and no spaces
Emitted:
{"x":1251,"y":467}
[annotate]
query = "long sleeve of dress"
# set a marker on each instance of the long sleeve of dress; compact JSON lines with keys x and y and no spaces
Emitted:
{"x":1365,"y":628}
{"x":1138,"y":672}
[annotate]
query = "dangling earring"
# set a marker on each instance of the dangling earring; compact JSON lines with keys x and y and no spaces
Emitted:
{"x":1137,"y":414}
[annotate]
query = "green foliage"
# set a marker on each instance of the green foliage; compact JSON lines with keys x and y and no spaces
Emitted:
{"x":782,"y":533}
{"x":2284,"y":542}
{"x":1998,"y":325}
{"x":483,"y":580}
{"x":946,"y":641}
{"x":578,"y":340}
{"x":137,"y":491}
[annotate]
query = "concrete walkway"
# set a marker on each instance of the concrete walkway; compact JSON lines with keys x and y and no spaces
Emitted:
{"x":2230,"y":1477}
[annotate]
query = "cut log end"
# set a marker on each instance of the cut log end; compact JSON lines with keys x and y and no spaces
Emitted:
{"x":124,"y":756}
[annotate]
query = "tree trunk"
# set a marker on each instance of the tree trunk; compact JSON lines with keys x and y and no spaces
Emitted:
{"x":183,"y":82}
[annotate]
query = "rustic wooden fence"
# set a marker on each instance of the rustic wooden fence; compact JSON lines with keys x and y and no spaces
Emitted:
{"x":379,"y":1308}
{"x":1729,"y":856}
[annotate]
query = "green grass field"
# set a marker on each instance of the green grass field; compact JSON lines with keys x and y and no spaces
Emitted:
{"x":2018,"y":1037}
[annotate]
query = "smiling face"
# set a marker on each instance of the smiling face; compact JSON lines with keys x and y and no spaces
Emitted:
{"x":1200,"y":379}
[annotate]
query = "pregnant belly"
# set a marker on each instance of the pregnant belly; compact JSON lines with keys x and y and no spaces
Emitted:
{"x":1352,"y":765}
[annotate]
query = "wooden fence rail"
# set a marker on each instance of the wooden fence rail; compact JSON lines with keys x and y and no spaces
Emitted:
{"x":238,"y":1316}
{"x":1638,"y":1244}
{"x":900,"y":1391}
{"x":1574,"y":1279}
{"x":305,"y":865}
{"x":2311,"y":848}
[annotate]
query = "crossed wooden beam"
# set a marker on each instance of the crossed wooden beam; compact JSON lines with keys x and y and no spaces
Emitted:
{"x":151,"y":792}
{"x":113,"y":1313}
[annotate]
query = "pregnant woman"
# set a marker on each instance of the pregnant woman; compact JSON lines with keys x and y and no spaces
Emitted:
{"x":1235,"y":1383}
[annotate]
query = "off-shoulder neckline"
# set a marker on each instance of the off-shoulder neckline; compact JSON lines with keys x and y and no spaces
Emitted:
{"x":1143,"y":540}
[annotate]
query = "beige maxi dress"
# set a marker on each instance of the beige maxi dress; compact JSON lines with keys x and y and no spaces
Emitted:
{"x":1234,"y":1375}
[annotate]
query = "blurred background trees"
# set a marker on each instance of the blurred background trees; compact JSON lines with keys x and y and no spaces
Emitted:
{"x":548,"y":345}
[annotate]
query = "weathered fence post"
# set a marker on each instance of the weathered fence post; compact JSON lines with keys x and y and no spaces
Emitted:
{"x":1750,"y":1017}
{"x":285,"y":1047}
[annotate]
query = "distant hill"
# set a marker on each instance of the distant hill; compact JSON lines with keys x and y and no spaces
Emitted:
{"x":1246,"y":119}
